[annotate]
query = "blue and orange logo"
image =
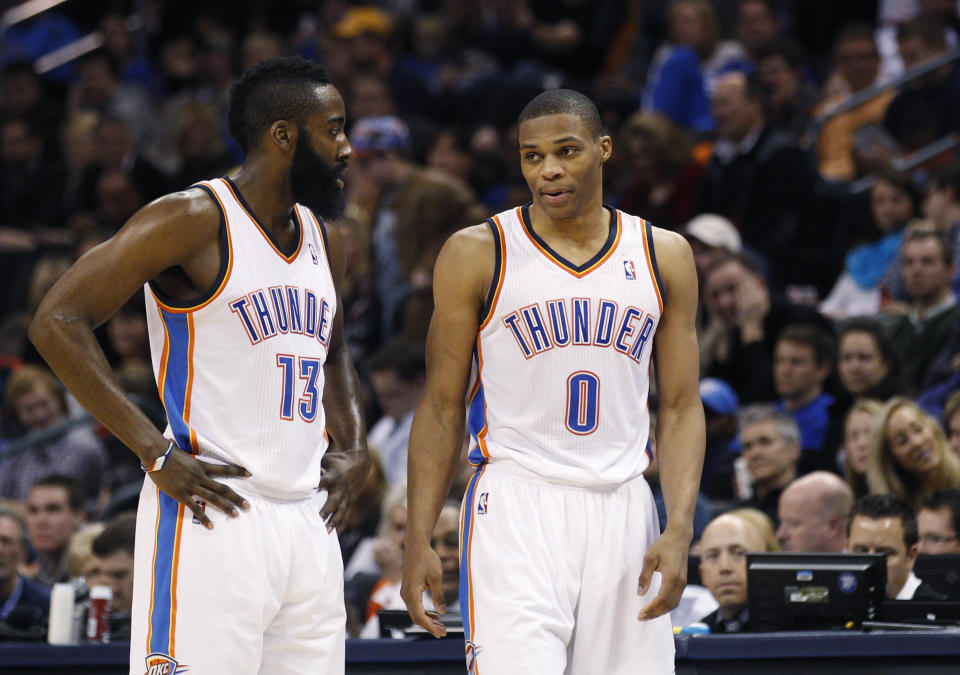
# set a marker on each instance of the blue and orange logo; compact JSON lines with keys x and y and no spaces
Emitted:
{"x":163,"y":664}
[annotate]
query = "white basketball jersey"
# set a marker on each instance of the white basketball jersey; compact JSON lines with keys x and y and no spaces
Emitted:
{"x":562,"y":361}
{"x":240,"y":372}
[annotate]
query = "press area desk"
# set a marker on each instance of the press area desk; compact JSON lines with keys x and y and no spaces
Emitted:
{"x":817,"y":652}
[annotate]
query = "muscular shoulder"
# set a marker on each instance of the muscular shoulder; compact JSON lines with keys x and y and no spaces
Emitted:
{"x":467,"y":260}
{"x":669,"y":245}
{"x":190,"y":212}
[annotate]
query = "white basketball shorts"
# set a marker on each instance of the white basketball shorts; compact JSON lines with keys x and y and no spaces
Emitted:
{"x":549,"y":574}
{"x":261,"y":593}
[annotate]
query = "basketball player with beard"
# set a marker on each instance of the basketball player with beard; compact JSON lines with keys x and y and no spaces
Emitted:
{"x":240,"y":277}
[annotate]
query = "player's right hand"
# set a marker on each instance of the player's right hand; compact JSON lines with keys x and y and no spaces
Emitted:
{"x":422,"y":571}
{"x":187,"y":479}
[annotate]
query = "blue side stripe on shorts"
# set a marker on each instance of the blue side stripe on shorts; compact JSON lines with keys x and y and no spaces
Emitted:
{"x":163,"y":574}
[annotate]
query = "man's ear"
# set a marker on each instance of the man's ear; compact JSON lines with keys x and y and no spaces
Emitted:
{"x":283,"y":134}
{"x":606,"y":148}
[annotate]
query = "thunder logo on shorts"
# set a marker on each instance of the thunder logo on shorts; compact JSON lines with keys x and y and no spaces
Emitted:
{"x":161,"y":664}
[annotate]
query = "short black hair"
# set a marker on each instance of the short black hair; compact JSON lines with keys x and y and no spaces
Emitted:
{"x":564,"y":102}
{"x":947,"y":178}
{"x":949,"y":499}
{"x":269,"y":91}
{"x":786,"y":48}
{"x":118,"y":535}
{"x":75,"y":496}
{"x":921,"y":233}
{"x":876,"y":507}
{"x":819,"y":339}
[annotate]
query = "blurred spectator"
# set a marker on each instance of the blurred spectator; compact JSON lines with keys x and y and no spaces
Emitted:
{"x":886,"y":524}
{"x":200,"y":146}
{"x":365,"y":513}
{"x":259,"y":46}
{"x":22,"y":600}
{"x":720,"y":406}
{"x":38,"y":403}
{"x":397,"y":374}
{"x":80,"y":550}
{"x":660,"y":176}
{"x":803,"y":359}
{"x":98,"y":88}
{"x":951,"y":421}
{"x":412,"y":210}
{"x":119,"y":153}
{"x":24,"y":94}
{"x":684,"y":72}
{"x":770,"y":448}
{"x":925,"y":337}
{"x":365,"y":34}
{"x":709,"y":235}
{"x":759,"y":179}
{"x":867,"y":363}
{"x":744,"y":320}
{"x":112,"y":566}
{"x":756,"y":25}
{"x":133,"y":64}
{"x":870,"y":266}
{"x":22,"y":169}
{"x":723,"y":569}
{"x":857,"y":430}
{"x":848,"y":134}
{"x":761,"y":523}
{"x":55,"y":511}
{"x":373,"y":573}
{"x":118,"y":197}
{"x":938,"y":523}
{"x":789,"y":98}
{"x":941,"y":208}
{"x":909,"y":454}
{"x":80,"y":152}
{"x":814,"y":510}
{"x":929,"y":107}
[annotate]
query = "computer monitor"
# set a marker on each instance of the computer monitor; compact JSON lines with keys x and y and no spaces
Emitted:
{"x":814,"y":591}
{"x":940,"y":571}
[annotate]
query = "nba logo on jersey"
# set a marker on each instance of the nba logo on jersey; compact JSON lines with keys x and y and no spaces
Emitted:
{"x":482,"y":503}
{"x":629,"y":270}
{"x":313,"y":253}
{"x":161,"y":664}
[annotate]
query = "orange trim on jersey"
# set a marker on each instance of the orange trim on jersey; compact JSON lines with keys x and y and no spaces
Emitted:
{"x":259,"y":227}
{"x":646,"y":251}
{"x":153,"y":578}
{"x":162,"y":370}
{"x":191,"y":342}
{"x":552,"y":258}
{"x":501,"y":273}
{"x":173,"y":581}
{"x":226,"y":276}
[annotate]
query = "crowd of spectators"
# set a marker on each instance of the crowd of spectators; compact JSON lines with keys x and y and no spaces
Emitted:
{"x":825,"y":240}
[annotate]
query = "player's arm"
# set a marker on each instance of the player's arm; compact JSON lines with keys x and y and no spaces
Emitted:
{"x":681,"y":435}
{"x":174,"y":231}
{"x":345,"y":467}
{"x":463,"y":272}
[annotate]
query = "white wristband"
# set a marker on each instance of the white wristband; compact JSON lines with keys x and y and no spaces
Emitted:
{"x":157,"y":464}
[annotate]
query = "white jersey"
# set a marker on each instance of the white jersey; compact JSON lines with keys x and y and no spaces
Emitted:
{"x":562,"y":360}
{"x":240,"y":371}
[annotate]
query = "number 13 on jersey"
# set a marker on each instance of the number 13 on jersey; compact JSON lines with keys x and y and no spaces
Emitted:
{"x":308,"y":370}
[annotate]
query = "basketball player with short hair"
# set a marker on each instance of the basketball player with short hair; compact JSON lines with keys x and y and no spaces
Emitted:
{"x":241,"y":278}
{"x":546,"y":320}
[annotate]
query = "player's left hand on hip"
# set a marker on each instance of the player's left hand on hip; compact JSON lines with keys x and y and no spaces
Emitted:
{"x":668,"y":556}
{"x":344,"y":472}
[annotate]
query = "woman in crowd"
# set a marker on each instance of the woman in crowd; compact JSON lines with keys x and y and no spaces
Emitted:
{"x":856,"y":442}
{"x":861,"y":290}
{"x":909,"y":455}
{"x":867,"y":364}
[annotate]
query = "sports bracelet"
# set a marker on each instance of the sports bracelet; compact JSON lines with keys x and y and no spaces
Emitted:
{"x":157,"y":464}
